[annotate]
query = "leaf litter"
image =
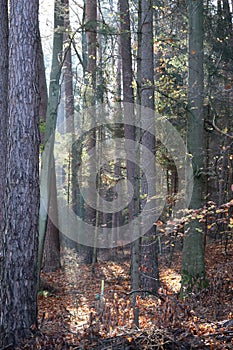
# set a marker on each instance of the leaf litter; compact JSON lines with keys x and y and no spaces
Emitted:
{"x":72,"y":313}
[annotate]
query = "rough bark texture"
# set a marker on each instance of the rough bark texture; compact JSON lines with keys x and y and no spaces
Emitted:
{"x":3,"y":140}
{"x":149,"y":258}
{"x":3,"y":110}
{"x":193,"y":266}
{"x":18,"y":314}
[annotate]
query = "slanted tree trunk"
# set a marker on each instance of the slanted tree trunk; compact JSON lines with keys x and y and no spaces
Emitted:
{"x":18,"y":304}
{"x":48,"y":168}
{"x":193,"y":266}
{"x":149,"y":253}
{"x":51,"y":254}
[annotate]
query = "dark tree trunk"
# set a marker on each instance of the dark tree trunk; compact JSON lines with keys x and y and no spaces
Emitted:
{"x":91,"y":36}
{"x":3,"y":141}
{"x":3,"y":112}
{"x":18,"y":313}
{"x":130,"y":134}
{"x":68,"y":76}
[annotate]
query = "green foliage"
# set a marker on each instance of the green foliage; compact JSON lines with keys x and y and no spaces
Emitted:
{"x":44,"y":293}
{"x":42,"y":125}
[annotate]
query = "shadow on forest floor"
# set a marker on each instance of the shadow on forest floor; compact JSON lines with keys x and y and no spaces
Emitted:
{"x":71,"y":315}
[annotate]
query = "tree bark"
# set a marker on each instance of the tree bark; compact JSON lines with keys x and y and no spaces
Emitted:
{"x":18,"y":313}
{"x":130,"y":134}
{"x":193,"y":266}
{"x":43,"y":92}
{"x":90,"y":80}
{"x":51,"y":120}
{"x":3,"y":115}
{"x":3,"y":144}
{"x":149,"y":252}
{"x":51,"y":254}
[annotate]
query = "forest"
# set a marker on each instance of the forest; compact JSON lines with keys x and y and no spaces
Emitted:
{"x":116,"y":175}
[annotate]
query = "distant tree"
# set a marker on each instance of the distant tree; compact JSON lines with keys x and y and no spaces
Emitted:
{"x":67,"y":72}
{"x":43,"y":91}
{"x":18,"y":303}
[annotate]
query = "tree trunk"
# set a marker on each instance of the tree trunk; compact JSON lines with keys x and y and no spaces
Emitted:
{"x":91,"y":36}
{"x":130,"y":134}
{"x":193,"y":266}
{"x":149,"y":253}
{"x":67,"y":73}
{"x":43,"y":92}
{"x":18,"y":313}
{"x":51,"y":120}
{"x":3,"y":114}
{"x":51,"y":254}
{"x":3,"y":145}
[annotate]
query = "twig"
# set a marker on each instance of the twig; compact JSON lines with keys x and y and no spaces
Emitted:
{"x":144,"y":291}
{"x":7,"y":347}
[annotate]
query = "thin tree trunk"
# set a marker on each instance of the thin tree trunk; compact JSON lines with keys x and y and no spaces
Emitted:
{"x":43,"y":91}
{"x":91,"y":36}
{"x":149,"y":251}
{"x":67,"y":74}
{"x":130,"y":134}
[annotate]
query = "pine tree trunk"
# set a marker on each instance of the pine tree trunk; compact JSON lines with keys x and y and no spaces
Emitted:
{"x":3,"y":144}
{"x":18,"y":313}
{"x":3,"y":112}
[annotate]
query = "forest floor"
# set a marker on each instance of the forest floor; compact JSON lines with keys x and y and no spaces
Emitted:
{"x":72,"y":316}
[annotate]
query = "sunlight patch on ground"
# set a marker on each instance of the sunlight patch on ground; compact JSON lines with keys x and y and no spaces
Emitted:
{"x":171,"y":279}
